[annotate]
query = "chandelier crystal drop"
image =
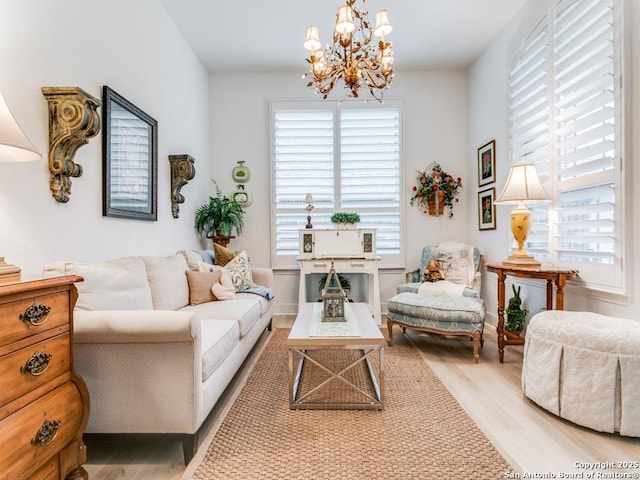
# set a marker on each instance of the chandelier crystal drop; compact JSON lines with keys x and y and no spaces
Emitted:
{"x":356,"y":57}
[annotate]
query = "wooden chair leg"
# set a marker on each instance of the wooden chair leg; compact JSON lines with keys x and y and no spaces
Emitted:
{"x":476,"y":346}
{"x":390,"y":328}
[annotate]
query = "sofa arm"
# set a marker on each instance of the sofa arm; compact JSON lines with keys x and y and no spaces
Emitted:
{"x":135,"y":326}
{"x":262,"y":276}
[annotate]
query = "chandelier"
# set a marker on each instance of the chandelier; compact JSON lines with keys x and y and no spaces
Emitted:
{"x":355,"y":56}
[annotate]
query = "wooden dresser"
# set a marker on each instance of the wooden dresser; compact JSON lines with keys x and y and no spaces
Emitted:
{"x":44,"y":405}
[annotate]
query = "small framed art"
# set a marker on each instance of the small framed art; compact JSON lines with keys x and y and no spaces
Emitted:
{"x":241,"y":173}
{"x":487,"y":163}
{"x":487,"y":209}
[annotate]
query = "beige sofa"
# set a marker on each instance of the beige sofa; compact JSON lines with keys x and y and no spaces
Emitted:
{"x":154,"y":362}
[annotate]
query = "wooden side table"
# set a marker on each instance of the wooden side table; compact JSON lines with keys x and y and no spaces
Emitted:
{"x":553,"y":276}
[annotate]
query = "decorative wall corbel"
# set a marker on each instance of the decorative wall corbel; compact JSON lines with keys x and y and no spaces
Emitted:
{"x":182,"y":170}
{"x":73,"y":119}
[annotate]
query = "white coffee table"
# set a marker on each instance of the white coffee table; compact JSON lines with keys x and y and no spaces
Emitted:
{"x":360,"y":332}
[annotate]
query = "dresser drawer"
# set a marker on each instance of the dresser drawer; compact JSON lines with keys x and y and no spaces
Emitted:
{"x":23,"y":318}
{"x":33,"y":435}
{"x":32,"y":366}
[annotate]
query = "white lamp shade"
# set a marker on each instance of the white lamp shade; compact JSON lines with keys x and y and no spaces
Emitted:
{"x":308,"y":198}
{"x":344,"y":20}
{"x":383,"y":26}
{"x":312,"y":39}
{"x":14,"y":144}
{"x":523,"y":186}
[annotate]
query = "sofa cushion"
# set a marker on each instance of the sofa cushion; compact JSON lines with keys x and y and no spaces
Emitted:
{"x":168,"y":281}
{"x":240,"y":271}
{"x":200,"y":286}
{"x":264,"y":303}
{"x":245,"y":311}
{"x":117,"y":284}
{"x":219,"y":337}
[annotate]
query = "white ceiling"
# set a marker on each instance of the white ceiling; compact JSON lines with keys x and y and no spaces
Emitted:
{"x":266,"y":35}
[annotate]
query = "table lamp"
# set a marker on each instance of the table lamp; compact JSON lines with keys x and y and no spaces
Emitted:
{"x":14,"y":147}
{"x":523,"y":186}
{"x":309,"y":201}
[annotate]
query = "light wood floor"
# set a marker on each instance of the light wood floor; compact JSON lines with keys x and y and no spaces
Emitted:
{"x":531,"y":439}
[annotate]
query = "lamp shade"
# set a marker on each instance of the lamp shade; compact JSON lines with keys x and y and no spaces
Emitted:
{"x":14,"y":145}
{"x":308,"y":198}
{"x":383,"y":25}
{"x":523,"y":186}
{"x":312,"y":39}
{"x":344,"y":20}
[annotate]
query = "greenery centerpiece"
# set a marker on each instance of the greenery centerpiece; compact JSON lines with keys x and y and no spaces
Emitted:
{"x":219,"y":216}
{"x":345,"y":219}
{"x":436,"y":189}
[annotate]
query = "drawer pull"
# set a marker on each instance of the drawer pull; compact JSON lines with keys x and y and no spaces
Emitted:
{"x":36,"y":314}
{"x":47,"y":433}
{"x":37,"y":364}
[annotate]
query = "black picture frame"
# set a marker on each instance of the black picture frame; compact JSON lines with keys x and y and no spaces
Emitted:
{"x":129,"y":159}
{"x":487,"y":163}
{"x":487,"y":209}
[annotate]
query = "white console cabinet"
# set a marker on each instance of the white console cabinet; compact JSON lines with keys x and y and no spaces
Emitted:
{"x":351,"y":251}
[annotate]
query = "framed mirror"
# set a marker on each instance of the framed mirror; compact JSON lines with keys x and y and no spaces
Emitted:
{"x":129,"y":159}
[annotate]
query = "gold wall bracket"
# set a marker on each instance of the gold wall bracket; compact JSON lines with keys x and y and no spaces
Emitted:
{"x":73,"y":119}
{"x":182,"y":170}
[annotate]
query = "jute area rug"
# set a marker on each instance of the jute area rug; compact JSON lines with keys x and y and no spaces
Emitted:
{"x":422,"y":433}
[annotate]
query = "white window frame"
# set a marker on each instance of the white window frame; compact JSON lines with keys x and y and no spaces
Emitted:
{"x":607,"y":278}
{"x":321,"y":214}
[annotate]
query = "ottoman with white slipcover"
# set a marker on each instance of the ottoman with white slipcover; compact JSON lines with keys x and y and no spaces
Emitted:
{"x":585,"y":367}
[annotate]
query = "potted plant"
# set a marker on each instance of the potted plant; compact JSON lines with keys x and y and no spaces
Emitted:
{"x":219,"y":216}
{"x":345,"y":220}
{"x":435,"y":190}
{"x":515,"y":314}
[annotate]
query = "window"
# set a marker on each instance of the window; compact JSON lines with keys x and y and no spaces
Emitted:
{"x":347,"y":155}
{"x":565,"y":108}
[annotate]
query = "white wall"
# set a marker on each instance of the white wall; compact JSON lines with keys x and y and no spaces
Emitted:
{"x":135,"y":49}
{"x":488,"y":118}
{"x":434,"y":130}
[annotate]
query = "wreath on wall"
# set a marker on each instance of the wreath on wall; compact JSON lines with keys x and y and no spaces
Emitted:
{"x":435,"y":189}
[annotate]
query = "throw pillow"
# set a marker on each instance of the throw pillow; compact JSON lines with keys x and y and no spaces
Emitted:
{"x":240,"y":271}
{"x":224,"y":289}
{"x":200,"y":284}
{"x":223,"y":255}
{"x":168,"y":282}
{"x":192,"y":258}
{"x":456,"y":261}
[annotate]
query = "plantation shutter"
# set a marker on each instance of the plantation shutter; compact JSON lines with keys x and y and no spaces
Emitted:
{"x":529,"y":84}
{"x":348,"y":157}
{"x":565,"y":118}
{"x":130,"y":160}
{"x":370,"y":171}
{"x":585,"y":123}
{"x":303,"y":162}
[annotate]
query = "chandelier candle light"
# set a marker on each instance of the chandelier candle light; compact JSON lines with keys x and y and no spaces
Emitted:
{"x":354,"y":57}
{"x":523,"y":186}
